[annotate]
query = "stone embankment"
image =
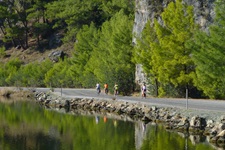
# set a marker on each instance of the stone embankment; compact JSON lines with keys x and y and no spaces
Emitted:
{"x":171,"y":118}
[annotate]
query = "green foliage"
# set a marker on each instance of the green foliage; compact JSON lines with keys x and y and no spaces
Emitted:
{"x":4,"y":13}
{"x":111,"y":60}
{"x":3,"y":75}
{"x":177,"y":67}
{"x":162,"y":49}
{"x":37,"y":10}
{"x":75,"y":14}
{"x":111,"y":7}
{"x":87,"y":39}
{"x":13,"y":33}
{"x":209,"y":56}
{"x":58,"y":75}
{"x":32,"y":75}
{"x":17,"y":18}
{"x":174,"y":56}
{"x":82,"y":21}
{"x":105,"y":55}
{"x":40,"y":29}
{"x":15,"y":23}
{"x":143,"y":54}
{"x":9,"y":69}
{"x":2,"y":52}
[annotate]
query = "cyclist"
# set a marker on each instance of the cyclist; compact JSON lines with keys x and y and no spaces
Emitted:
{"x":115,"y":89}
{"x":106,"y":88}
{"x":143,"y":89}
{"x":98,"y":88}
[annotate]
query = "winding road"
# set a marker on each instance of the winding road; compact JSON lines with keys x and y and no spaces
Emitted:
{"x":196,"y":104}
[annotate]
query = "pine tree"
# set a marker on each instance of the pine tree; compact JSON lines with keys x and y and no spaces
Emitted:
{"x":111,"y":59}
{"x":209,"y":56}
{"x":36,"y":15}
{"x":143,"y":54}
{"x":87,"y":40}
{"x":171,"y":60}
{"x":72,"y":15}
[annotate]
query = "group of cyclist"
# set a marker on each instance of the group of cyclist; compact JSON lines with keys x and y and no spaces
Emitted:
{"x":106,"y":88}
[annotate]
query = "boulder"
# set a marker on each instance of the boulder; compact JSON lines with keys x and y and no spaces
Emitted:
{"x":55,"y":56}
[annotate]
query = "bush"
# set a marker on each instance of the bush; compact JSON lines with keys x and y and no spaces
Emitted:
{"x":2,"y":52}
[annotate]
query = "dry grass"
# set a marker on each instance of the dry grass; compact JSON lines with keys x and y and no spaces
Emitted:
{"x":6,"y":92}
{"x":22,"y":94}
{"x":12,"y":93}
{"x":31,"y":54}
{"x":136,"y":94}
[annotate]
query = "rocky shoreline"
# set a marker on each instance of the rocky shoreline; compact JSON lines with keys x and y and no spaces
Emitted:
{"x":197,"y":122}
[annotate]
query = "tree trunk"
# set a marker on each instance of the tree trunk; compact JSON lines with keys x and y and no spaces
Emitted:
{"x":21,"y":44}
{"x":13,"y":40}
{"x":2,"y":30}
{"x":156,"y":87}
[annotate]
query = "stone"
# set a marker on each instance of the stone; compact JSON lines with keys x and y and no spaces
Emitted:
{"x":221,"y":139}
{"x":221,"y":134}
{"x":55,"y":56}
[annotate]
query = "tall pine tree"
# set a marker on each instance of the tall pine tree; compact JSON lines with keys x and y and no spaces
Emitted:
{"x":171,"y":60}
{"x":111,"y":59}
{"x":87,"y":40}
{"x":143,"y":53}
{"x":209,"y":56}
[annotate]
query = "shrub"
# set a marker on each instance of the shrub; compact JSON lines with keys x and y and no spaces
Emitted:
{"x":2,"y":52}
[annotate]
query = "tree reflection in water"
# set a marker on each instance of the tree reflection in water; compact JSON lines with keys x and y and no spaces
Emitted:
{"x":26,"y":125}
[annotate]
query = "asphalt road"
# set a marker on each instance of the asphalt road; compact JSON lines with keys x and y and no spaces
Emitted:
{"x":196,"y":104}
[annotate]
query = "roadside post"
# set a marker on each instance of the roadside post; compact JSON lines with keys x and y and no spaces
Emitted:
{"x":61,"y":90}
{"x":186,"y":98}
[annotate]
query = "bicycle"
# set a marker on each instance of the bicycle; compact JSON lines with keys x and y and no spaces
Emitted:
{"x":106,"y":88}
{"x":143,"y":94}
{"x":106,"y":91}
{"x":98,"y":91}
{"x":116,"y":93}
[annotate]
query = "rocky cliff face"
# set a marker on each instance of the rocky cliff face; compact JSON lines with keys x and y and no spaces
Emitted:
{"x":149,"y":9}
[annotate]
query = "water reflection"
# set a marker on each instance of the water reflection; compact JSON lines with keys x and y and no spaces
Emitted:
{"x":97,"y":119}
{"x":160,"y":139}
{"x":27,"y":126}
{"x":140,"y":133}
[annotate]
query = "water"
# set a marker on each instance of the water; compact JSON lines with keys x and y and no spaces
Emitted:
{"x":27,"y":126}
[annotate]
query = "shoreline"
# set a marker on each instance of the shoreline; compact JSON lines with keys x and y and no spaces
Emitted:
{"x":193,"y":122}
{"x":197,"y":122}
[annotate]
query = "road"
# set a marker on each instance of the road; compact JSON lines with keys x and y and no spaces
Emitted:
{"x":196,"y":104}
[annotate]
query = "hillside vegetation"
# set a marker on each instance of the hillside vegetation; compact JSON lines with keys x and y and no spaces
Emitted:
{"x":96,"y":36}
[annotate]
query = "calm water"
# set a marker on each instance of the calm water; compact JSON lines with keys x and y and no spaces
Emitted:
{"x":27,"y":126}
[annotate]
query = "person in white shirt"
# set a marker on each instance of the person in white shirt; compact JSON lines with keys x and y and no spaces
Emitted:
{"x":98,"y":88}
{"x":143,"y":89}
